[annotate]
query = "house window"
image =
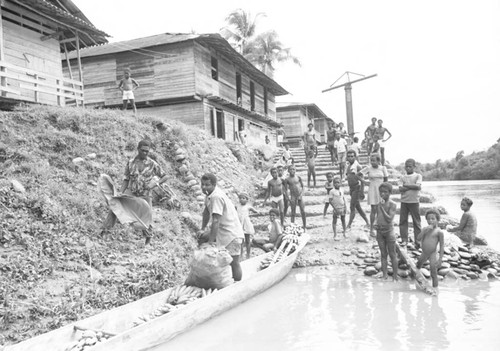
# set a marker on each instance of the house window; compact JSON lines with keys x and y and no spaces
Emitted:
{"x":238,"y":89}
{"x":252,"y":96}
{"x":215,"y":68}
{"x":265,"y":101}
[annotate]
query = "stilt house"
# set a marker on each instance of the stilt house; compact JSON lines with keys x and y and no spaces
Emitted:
{"x":198,"y":79}
{"x":33,"y":34}
{"x":296,"y":116}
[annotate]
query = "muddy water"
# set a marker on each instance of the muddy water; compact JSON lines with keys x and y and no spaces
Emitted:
{"x":320,"y":309}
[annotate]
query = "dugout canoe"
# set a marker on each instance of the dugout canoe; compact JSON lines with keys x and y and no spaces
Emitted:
{"x":119,"y":321}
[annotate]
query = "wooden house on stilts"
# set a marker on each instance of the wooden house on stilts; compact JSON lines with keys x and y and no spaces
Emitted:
{"x":33,"y":34}
{"x":198,"y":79}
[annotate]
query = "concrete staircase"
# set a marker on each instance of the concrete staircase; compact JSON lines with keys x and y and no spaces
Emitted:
{"x":323,"y":163}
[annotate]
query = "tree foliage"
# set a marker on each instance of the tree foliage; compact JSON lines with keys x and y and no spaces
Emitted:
{"x":263,"y":50}
{"x":476,"y":166}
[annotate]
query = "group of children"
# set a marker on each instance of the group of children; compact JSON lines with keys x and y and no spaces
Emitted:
{"x":284,"y":192}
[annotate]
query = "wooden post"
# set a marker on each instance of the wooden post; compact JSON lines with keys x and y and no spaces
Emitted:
{"x":348,"y":107}
{"x":37,"y":95}
{"x":3,"y":80}
{"x":79,"y":59}
{"x":69,"y":69}
{"x":59,"y":100}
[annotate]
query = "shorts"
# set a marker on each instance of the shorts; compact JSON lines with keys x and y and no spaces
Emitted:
{"x":234,"y":247}
{"x":276,"y":199}
{"x":381,"y":143}
{"x":386,"y":234}
{"x":342,"y":156}
{"x":128,"y":95}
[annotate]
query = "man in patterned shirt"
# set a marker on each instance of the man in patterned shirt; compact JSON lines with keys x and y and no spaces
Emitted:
{"x":138,"y":181}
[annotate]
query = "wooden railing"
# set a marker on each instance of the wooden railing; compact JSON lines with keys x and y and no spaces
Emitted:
{"x":21,"y":83}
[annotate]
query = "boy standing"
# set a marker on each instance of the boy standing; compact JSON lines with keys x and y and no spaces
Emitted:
{"x":330,"y":142}
{"x":341,"y":146}
{"x":410,"y":187}
{"x":311,"y":171}
{"x":369,"y":132}
{"x":386,"y":239}
{"x":356,"y":187}
{"x":286,"y":198}
{"x":430,"y":237}
{"x":380,"y":132}
{"x":337,"y":201}
{"x":127,"y":86}
{"x":296,"y":187}
{"x":275,"y":192}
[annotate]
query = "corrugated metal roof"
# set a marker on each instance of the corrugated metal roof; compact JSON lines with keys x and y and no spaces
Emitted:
{"x":212,"y":40}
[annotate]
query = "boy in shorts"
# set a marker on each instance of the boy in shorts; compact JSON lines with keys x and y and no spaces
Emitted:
{"x":341,"y":146}
{"x":337,"y":200}
{"x":127,"y":86}
{"x":386,"y":239}
{"x":275,"y":233}
{"x":275,"y":193}
{"x":294,"y":184}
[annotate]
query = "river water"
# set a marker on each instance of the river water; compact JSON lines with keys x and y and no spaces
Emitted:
{"x":321,"y":308}
{"x":486,"y":207}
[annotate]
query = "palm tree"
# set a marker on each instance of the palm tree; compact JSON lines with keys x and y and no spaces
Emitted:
{"x":266,"y":50}
{"x":241,"y":28}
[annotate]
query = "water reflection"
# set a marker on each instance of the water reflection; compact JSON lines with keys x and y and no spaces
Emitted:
{"x":317,"y":309}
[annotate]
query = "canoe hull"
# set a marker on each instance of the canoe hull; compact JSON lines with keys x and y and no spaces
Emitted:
{"x":162,"y":329}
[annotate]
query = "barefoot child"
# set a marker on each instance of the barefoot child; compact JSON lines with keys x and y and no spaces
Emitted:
{"x":411,"y":184}
{"x":468,"y":223}
{"x":244,"y":210}
{"x":356,"y":187}
{"x":328,"y":187}
{"x":275,"y":193}
{"x":127,"y":86}
{"x":341,"y":147}
{"x":430,"y":237}
{"x":294,"y":184}
{"x":311,"y":162}
{"x":386,"y":238}
{"x":376,"y":174}
{"x":286,"y":198}
{"x":275,"y":233}
{"x":337,"y":201}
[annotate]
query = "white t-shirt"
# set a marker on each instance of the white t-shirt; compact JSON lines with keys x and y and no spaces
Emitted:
{"x":341,"y":145}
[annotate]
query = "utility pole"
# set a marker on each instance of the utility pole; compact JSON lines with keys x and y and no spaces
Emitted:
{"x":348,"y":96}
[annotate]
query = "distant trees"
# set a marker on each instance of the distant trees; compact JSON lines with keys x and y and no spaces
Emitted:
{"x":263,"y":50}
{"x":476,"y":166}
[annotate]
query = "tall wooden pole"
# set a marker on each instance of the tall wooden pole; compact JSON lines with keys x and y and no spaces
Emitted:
{"x":3,"y":80}
{"x":348,"y":108}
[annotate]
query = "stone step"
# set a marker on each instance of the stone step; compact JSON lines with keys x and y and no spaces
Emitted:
{"x":317,"y":210}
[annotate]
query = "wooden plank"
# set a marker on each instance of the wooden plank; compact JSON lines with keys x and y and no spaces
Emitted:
{"x":53,"y":92}
{"x":9,"y":90}
{"x":421,"y":281}
{"x":33,"y":72}
{"x":28,"y":79}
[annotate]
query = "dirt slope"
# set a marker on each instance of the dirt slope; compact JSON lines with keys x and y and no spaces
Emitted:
{"x":54,"y":267}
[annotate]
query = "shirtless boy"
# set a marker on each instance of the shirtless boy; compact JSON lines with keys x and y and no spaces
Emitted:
{"x":311,"y":164}
{"x":286,"y":199}
{"x":430,"y":237}
{"x":127,"y":86}
{"x":294,"y":184}
{"x":275,"y":193}
{"x":386,"y":239}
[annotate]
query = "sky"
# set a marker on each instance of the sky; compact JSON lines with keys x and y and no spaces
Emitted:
{"x":437,"y":61}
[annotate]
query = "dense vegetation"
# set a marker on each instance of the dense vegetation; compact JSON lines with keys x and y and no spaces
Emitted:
{"x":54,"y":266}
{"x":476,"y":166}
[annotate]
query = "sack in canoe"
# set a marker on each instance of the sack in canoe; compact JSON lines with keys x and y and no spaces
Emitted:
{"x":210,"y":268}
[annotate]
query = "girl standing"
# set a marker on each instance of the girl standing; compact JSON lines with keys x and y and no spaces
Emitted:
{"x":377,"y":174}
